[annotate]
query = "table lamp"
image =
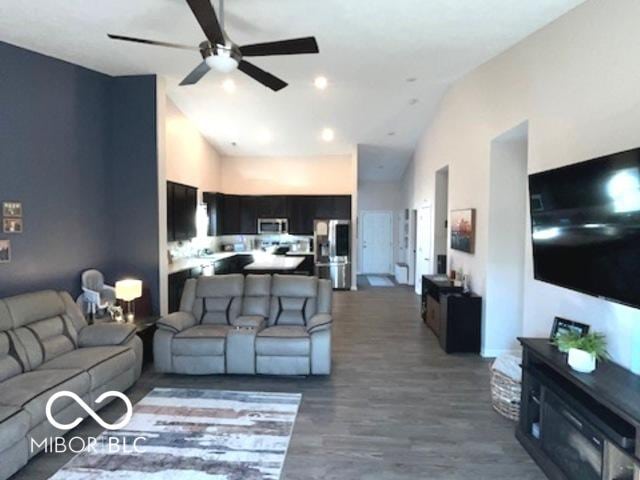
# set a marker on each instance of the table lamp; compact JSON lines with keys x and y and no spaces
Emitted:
{"x":128,"y":290}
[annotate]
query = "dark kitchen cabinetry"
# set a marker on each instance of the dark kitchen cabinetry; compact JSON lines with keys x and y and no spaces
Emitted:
{"x":176,"y":286}
{"x":182,"y":202}
{"x":239,"y":214}
{"x":214,"y":212}
{"x":231,"y":214}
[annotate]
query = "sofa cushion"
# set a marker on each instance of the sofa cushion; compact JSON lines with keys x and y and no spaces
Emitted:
{"x":257,"y":295}
{"x":294,"y":300}
{"x":283,"y":340}
{"x":201,"y":340}
{"x":14,"y":424}
{"x":101,"y":363}
{"x":31,"y":390}
{"x":218,"y":299}
{"x":10,"y":363}
{"x":31,"y":307}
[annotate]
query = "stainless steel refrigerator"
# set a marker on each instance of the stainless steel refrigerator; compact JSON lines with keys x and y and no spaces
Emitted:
{"x":332,"y":251}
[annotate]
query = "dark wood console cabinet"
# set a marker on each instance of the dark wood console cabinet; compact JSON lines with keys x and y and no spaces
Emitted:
{"x":453,"y":316}
{"x":578,"y":426}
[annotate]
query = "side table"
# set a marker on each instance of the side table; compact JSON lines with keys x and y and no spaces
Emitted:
{"x":146,"y":328}
{"x":241,"y":350}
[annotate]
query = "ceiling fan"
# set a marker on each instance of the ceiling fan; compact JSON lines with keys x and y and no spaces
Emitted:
{"x":221,"y":54}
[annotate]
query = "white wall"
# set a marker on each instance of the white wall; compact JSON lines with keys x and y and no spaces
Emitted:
{"x":508,"y":213}
{"x":576,"y":82}
{"x":318,"y":175}
{"x":190,"y":159}
{"x":381,"y":196}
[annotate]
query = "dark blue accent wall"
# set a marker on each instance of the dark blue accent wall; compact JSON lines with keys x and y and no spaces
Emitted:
{"x":78,"y":149}
{"x":134,"y":196}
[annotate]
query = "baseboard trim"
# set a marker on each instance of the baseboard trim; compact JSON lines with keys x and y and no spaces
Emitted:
{"x":496,"y":352}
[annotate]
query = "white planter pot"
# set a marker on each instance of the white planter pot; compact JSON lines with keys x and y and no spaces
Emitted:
{"x":581,"y":361}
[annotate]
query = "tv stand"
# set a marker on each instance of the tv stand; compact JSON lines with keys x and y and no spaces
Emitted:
{"x":578,"y":426}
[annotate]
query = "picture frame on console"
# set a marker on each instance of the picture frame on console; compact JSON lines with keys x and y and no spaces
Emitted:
{"x":12,"y":209}
{"x":563,"y":325}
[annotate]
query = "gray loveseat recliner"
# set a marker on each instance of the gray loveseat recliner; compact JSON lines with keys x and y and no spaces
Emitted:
{"x":46,"y":346}
{"x":258,"y":324}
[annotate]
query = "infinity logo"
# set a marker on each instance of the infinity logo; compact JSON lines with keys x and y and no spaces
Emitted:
{"x":68,"y":426}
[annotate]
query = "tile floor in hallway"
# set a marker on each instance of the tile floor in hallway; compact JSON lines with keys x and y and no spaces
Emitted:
{"x":396,"y":407}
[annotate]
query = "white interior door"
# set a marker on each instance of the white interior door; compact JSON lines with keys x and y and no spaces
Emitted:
{"x":424,"y":239}
{"x":377,"y":242}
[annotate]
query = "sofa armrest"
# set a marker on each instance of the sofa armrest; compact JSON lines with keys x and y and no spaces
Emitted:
{"x":319,"y":322}
{"x":103,"y":334}
{"x":176,"y":322}
{"x":253,"y":321}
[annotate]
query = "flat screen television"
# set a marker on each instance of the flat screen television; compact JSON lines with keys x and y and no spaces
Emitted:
{"x":585,"y":222}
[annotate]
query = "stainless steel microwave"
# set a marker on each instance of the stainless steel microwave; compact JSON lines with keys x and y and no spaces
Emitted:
{"x":273,"y":226}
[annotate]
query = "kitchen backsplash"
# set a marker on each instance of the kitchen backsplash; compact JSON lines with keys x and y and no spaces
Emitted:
{"x":193,"y":247}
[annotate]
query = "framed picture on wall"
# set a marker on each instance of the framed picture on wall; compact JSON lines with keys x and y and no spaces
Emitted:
{"x":12,"y":209}
{"x":463,"y":229}
{"x":5,"y":251}
{"x":12,"y":225}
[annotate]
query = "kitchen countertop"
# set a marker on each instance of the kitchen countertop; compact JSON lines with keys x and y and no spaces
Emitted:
{"x":274,"y":262}
{"x":263,"y":261}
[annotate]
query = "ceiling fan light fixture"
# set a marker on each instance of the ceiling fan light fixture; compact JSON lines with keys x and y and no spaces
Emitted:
{"x":222,"y":63}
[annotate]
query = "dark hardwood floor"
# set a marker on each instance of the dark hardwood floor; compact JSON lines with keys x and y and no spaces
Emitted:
{"x":396,"y":407}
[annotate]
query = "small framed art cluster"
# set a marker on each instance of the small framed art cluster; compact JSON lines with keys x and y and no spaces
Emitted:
{"x":11,"y":224}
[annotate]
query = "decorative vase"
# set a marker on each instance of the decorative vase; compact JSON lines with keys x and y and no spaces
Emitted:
{"x":581,"y":361}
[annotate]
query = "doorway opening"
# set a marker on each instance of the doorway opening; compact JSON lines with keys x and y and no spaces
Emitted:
{"x":441,"y":221}
{"x":377,"y":242}
{"x":424,"y":244}
{"x":508,"y":213}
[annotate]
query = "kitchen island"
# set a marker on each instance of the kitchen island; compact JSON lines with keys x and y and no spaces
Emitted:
{"x":266,"y":264}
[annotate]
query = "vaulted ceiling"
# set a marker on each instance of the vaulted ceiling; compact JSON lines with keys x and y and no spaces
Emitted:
{"x":388,"y":63}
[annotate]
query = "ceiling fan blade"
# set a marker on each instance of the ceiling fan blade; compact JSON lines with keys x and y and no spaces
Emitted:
{"x":195,"y":76}
{"x":151,"y":42}
{"x":294,"y":46}
{"x":265,"y":78}
{"x":206,"y":16}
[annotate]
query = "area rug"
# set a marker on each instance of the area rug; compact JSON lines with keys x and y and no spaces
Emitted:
{"x":195,"y":435}
{"x":378,"y":281}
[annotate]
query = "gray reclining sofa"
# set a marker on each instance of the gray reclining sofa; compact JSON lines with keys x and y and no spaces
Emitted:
{"x":258,"y":324}
{"x":46,"y":346}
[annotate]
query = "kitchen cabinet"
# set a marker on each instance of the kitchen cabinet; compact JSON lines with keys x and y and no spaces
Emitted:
{"x":231,"y":214}
{"x":239,"y":214}
{"x":213,"y":202}
{"x":182,"y":202}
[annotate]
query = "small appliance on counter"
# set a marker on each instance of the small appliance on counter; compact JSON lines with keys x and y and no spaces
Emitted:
{"x":332,"y":241}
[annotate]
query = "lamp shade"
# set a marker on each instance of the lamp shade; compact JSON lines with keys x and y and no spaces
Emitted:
{"x":128,"y":289}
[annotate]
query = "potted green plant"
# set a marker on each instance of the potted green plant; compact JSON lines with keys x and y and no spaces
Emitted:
{"x":583,"y":350}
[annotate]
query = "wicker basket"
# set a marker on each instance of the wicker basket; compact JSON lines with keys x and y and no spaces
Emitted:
{"x":505,"y":395}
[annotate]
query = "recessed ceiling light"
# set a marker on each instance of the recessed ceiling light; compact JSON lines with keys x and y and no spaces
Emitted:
{"x":411,"y":79}
{"x":328,"y":134}
{"x":264,"y":136}
{"x":413,"y":101}
{"x":391,"y":134}
{"x":229,"y":85}
{"x":321,"y":83}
